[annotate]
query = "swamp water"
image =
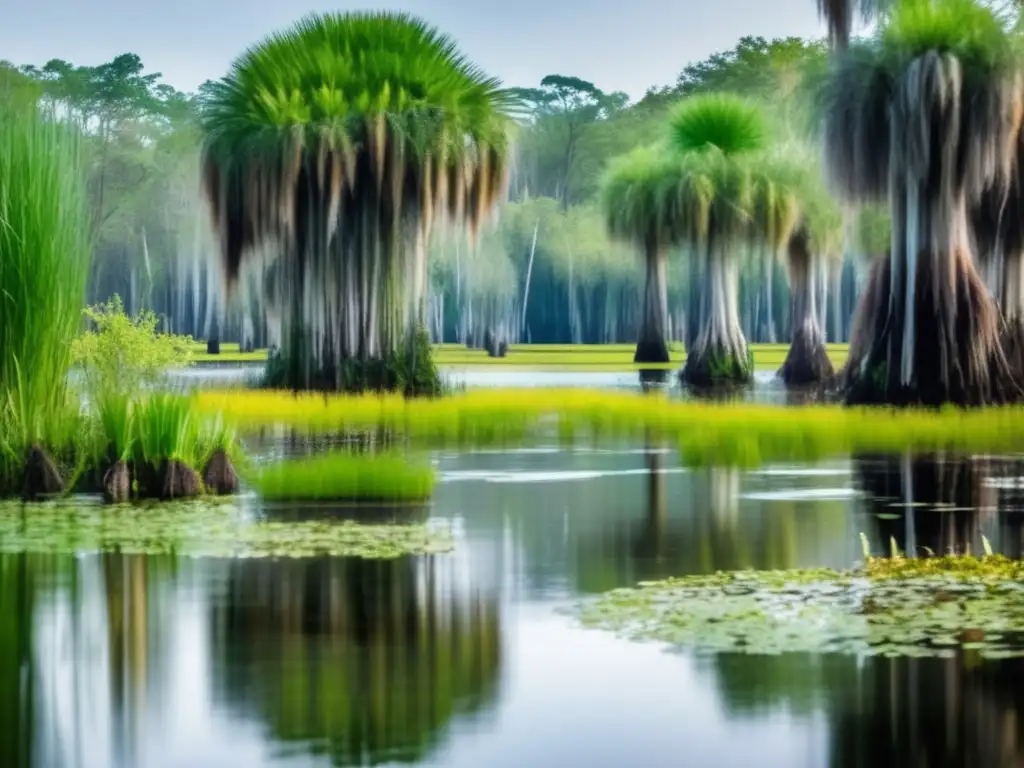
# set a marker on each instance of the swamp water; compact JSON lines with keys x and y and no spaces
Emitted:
{"x":470,"y":659}
{"x":474,"y":658}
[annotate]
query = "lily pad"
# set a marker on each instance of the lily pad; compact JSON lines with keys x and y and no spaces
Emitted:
{"x":204,"y":529}
{"x":927,"y":612}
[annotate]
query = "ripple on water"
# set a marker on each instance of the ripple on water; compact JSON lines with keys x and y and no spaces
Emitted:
{"x":803,"y":494}
{"x":490,"y":476}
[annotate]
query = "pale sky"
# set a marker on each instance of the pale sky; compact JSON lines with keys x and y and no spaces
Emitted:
{"x":624,"y":45}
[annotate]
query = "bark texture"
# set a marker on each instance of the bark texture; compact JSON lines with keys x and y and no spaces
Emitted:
{"x":651,"y":346}
{"x":719,"y":354}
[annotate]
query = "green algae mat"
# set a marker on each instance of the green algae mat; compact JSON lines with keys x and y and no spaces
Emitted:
{"x":203,"y":529}
{"x":892,"y":611}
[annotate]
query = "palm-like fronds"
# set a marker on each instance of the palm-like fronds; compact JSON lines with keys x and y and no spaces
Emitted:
{"x":721,"y":121}
{"x":943,"y":63}
{"x":340,"y":141}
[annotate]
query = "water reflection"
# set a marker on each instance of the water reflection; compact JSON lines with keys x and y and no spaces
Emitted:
{"x":462,"y":660}
{"x":929,"y":712}
{"x":125,"y":661}
{"x":366,"y":662}
{"x":935,"y":503}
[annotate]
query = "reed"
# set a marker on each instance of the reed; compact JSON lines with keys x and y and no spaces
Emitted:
{"x":734,"y":434}
{"x":338,"y":476}
{"x":44,"y":262}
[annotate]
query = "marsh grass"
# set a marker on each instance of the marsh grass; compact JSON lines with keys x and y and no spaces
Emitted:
{"x":339,"y":476}
{"x":736,"y":434}
{"x":44,"y":260}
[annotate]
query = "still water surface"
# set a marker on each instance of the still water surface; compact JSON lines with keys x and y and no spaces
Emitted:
{"x":467,"y":660}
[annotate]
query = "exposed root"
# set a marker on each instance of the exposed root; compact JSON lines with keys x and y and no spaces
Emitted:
{"x":178,"y":481}
{"x":965,"y":366}
{"x":117,"y":484}
{"x":651,"y":350}
{"x":411,"y":372}
{"x":807,"y":361}
{"x":1012,"y":340}
{"x":714,"y":366}
{"x":219,"y":476}
{"x":41,"y":476}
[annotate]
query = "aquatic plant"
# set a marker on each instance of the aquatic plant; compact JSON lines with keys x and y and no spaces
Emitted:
{"x":339,"y":476}
{"x":44,"y":261}
{"x":933,"y":609}
{"x":202,"y":529}
{"x":121,"y":353}
{"x":924,"y":116}
{"x":739,"y":434}
{"x":330,"y":150}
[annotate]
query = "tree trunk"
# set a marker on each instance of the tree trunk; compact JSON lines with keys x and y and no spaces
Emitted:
{"x":651,"y":346}
{"x":769,"y":290}
{"x":720,"y":353}
{"x":958,"y":358}
{"x":807,"y":360}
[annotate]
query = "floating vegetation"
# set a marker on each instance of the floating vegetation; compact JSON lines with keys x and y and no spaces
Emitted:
{"x":927,"y":610}
{"x":735,"y":434}
{"x":341,"y":476}
{"x":203,"y":529}
{"x":893,"y":606}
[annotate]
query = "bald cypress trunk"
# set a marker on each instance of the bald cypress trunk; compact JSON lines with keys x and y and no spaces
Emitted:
{"x":807,"y":360}
{"x":719,"y":354}
{"x":651,"y":346}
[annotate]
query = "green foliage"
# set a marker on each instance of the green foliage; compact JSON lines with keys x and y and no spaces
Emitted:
{"x":125,"y":353}
{"x":719,"y":121}
{"x":165,"y":428}
{"x":116,"y":413}
{"x":203,"y":529}
{"x":332,"y":76}
{"x":964,"y":28}
{"x":44,"y":260}
{"x":345,"y":477}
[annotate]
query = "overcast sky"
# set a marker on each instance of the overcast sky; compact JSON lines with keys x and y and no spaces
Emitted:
{"x":624,"y":45}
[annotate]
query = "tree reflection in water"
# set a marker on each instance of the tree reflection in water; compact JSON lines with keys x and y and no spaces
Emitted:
{"x":365,"y":661}
{"x":932,"y":502}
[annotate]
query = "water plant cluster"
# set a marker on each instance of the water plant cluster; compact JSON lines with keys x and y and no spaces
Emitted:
{"x":220,"y":529}
{"x":932,"y":607}
{"x":740,"y":434}
{"x":337,"y":475}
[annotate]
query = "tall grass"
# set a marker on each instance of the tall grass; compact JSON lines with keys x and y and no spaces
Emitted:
{"x":734,"y":434}
{"x":44,"y":263}
{"x":340,"y":476}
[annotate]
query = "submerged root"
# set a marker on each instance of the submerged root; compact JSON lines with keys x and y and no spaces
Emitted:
{"x":41,"y":476}
{"x":807,"y":361}
{"x":960,"y":359}
{"x":219,"y":476}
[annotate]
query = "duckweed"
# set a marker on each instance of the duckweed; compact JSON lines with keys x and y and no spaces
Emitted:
{"x":736,"y":434}
{"x":203,"y":529}
{"x":917,"y":611}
